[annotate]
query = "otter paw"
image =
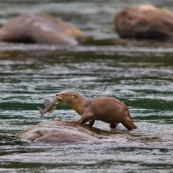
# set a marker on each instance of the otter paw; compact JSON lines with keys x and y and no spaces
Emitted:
{"x":75,"y":122}
{"x":88,"y":125}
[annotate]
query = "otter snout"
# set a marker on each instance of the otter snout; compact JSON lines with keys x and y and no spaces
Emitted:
{"x":59,"y":98}
{"x":66,"y":96}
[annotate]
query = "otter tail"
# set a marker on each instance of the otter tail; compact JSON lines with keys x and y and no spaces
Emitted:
{"x":128,"y":123}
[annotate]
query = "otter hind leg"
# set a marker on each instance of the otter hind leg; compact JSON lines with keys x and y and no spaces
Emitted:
{"x":129,"y":124}
{"x":113,"y":125}
{"x":91,"y":122}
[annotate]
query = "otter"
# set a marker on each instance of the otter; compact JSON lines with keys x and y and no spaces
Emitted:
{"x":106,"y":109}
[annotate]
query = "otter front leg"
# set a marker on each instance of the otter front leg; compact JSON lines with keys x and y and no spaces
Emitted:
{"x":86,"y":118}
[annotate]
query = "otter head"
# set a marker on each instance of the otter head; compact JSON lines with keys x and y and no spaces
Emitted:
{"x":72,"y":98}
{"x":67,"y":96}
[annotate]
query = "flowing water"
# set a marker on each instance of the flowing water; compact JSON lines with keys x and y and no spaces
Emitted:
{"x":140,"y":74}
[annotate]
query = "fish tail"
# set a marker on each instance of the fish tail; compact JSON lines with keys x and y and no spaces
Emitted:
{"x":41,"y":111}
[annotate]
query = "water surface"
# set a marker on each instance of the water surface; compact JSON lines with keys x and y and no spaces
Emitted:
{"x":138,"y":73}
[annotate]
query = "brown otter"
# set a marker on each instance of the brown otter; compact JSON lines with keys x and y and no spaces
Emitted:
{"x":106,"y":109}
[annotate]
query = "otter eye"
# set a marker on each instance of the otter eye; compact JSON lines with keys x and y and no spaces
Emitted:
{"x":63,"y":94}
{"x":73,"y":96}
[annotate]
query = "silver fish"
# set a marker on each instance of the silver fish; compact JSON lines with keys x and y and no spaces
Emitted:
{"x":48,"y":106}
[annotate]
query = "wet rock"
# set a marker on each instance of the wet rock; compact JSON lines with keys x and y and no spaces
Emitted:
{"x":145,"y":22}
{"x":58,"y":132}
{"x":42,"y":29}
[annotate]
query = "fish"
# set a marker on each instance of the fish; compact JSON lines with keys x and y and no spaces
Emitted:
{"x":48,"y":106}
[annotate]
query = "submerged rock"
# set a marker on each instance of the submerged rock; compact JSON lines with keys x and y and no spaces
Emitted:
{"x":42,"y":29}
{"x":145,"y":22}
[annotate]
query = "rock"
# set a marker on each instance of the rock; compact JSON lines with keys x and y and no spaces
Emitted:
{"x":145,"y":22}
{"x":58,"y":132}
{"x":67,"y":133}
{"x":42,"y":29}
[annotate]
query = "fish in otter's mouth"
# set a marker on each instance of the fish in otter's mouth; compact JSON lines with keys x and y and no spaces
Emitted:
{"x":48,"y":106}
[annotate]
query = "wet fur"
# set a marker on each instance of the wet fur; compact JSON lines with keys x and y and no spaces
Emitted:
{"x":106,"y":109}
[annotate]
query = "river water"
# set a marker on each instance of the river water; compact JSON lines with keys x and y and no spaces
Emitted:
{"x":138,"y":73}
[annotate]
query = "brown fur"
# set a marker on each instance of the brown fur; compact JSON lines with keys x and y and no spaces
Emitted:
{"x":106,"y":109}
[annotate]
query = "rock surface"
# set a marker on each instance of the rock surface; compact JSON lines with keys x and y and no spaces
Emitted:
{"x":42,"y":29}
{"x":58,"y":132}
{"x":145,"y":22}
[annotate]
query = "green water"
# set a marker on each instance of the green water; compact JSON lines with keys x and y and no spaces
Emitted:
{"x":140,"y":74}
{"x":144,"y":83}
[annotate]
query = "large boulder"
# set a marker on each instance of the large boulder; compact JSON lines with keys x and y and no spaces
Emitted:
{"x":145,"y":22}
{"x":42,"y":29}
{"x":58,"y":132}
{"x":65,"y":133}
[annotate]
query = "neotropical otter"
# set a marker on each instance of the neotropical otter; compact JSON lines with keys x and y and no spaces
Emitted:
{"x":106,"y":109}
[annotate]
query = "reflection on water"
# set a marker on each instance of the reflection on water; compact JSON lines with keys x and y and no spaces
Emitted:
{"x":133,"y":72}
